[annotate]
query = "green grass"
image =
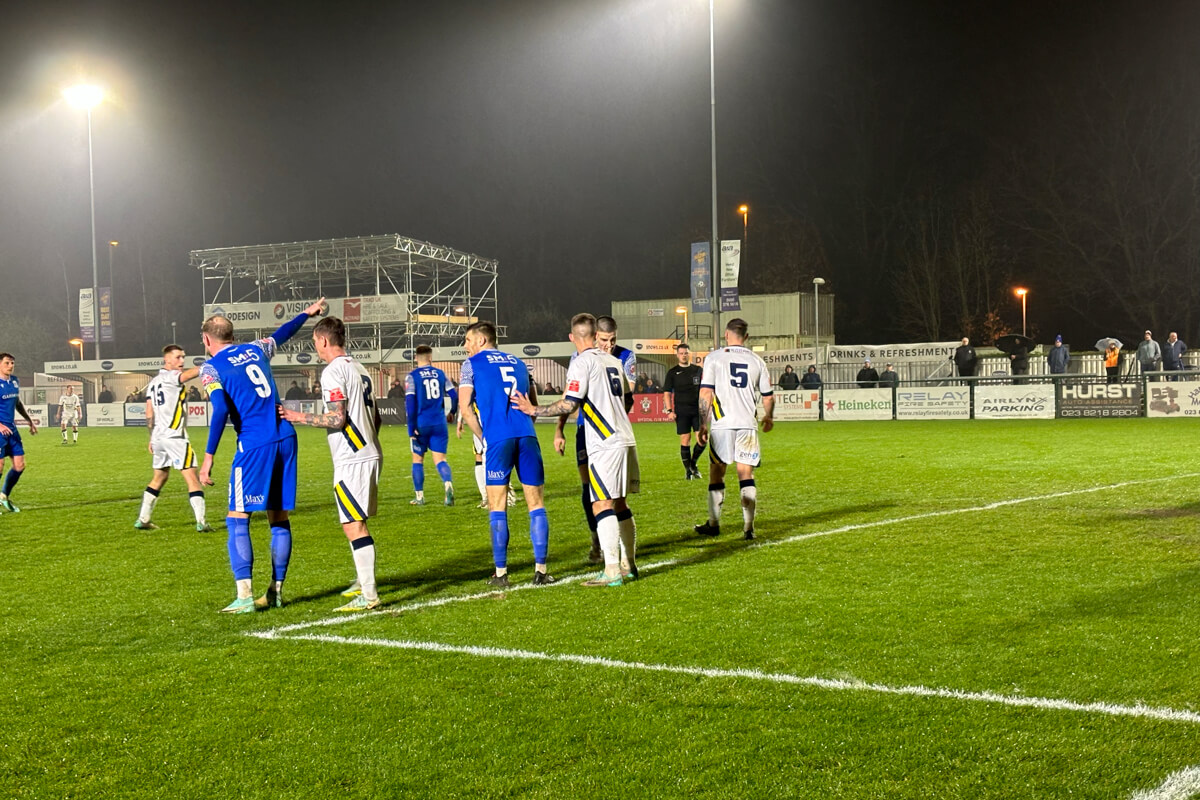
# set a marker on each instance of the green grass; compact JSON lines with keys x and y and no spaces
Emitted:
{"x":121,"y":680}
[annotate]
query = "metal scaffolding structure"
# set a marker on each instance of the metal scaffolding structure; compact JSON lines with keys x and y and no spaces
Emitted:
{"x":442,"y":289}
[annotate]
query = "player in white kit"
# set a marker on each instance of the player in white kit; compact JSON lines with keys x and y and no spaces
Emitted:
{"x":729,"y":387}
{"x":596,"y":385}
{"x":352,"y":422}
{"x":68,"y":414}
{"x":166,"y":418}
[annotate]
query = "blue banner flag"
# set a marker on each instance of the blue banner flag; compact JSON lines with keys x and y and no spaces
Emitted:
{"x":701,"y":273}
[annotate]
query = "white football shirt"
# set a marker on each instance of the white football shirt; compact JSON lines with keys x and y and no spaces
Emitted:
{"x":165,"y":393}
{"x":598,"y":382}
{"x":735,"y":374}
{"x":344,"y":380}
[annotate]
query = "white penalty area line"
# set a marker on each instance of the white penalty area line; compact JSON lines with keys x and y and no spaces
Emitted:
{"x":1018,"y":701}
{"x":1178,"y":786}
{"x":272,"y":633}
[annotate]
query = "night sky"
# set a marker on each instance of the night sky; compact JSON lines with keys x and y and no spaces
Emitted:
{"x":924,"y":157}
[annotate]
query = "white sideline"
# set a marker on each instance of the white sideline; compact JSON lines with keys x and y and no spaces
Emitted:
{"x":1020,"y":701}
{"x":271,"y":633}
{"x":1178,"y":786}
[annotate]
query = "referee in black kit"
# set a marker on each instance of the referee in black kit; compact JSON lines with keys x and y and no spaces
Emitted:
{"x":682,"y":388}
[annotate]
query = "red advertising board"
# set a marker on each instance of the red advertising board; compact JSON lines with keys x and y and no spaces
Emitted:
{"x":648,"y":408}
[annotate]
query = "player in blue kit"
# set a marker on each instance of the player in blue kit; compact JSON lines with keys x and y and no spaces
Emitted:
{"x":425,"y":390}
{"x":10,"y":437}
{"x":606,"y":340}
{"x":490,"y":378}
{"x":238,"y":380}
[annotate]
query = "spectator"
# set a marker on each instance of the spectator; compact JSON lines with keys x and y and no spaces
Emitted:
{"x":965,"y":359}
{"x":652,"y":386}
{"x":315,"y":392}
{"x":811,"y":379}
{"x":294,"y":392}
{"x":1059,"y":357}
{"x":397,"y":390}
{"x":789,"y":380}
{"x":193,"y":395}
{"x":106,"y":395}
{"x":1019,"y":359}
{"x":1149,"y":354}
{"x":889,"y":379}
{"x":1112,"y":361}
{"x":867,"y":377}
{"x":1173,"y":354}
{"x":549,"y":388}
{"x":132,"y":397}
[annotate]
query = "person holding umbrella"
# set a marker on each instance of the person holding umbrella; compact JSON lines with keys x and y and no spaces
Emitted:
{"x":1112,"y":358}
{"x":1017,"y":346}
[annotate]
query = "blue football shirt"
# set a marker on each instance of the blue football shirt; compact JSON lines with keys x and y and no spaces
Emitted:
{"x":494,"y":376}
{"x":243,"y":373}
{"x":430,"y":387}
{"x":10,"y":393}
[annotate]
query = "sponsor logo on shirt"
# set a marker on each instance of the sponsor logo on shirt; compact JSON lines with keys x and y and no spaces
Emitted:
{"x":336,"y":394}
{"x":573,"y":386}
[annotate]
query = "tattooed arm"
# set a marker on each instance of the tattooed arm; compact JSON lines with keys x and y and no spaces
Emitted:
{"x":706,"y":403}
{"x":333,"y":419}
{"x":564,"y":406}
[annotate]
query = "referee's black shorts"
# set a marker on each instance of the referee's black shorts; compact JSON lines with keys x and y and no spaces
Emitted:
{"x":687,"y":420}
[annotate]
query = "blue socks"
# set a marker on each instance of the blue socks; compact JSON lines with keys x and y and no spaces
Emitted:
{"x":539,"y":534}
{"x":281,"y":549}
{"x":419,"y":477}
{"x":10,"y":480}
{"x":241,"y":554}
{"x":444,"y":470}
{"x":499,"y":525}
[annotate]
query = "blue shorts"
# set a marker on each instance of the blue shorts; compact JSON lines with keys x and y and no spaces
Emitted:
{"x":525,"y":454}
{"x":580,"y":445}
{"x":11,"y":445}
{"x":430,"y":440}
{"x":264,"y":478}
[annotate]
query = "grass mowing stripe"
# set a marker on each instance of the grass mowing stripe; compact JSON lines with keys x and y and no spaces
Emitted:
{"x":271,"y":633}
{"x":1178,"y":786}
{"x":972,"y":509}
{"x":834,"y":684}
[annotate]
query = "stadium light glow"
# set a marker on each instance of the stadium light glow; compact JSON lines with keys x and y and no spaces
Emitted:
{"x":77,"y":343}
{"x":683,"y":310}
{"x":84,"y":95}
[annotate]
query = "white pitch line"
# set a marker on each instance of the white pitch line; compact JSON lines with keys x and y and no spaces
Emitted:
{"x":271,"y":633}
{"x":441,"y":601}
{"x":1019,"y":701}
{"x":970,"y":510}
{"x":1179,"y":785}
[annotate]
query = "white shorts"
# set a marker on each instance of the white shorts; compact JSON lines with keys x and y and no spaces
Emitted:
{"x":735,"y":446}
{"x":174,"y":452}
{"x":71,"y":419}
{"x":613,"y":472}
{"x":356,"y":489}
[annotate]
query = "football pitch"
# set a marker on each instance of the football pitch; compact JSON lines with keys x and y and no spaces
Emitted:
{"x":931,"y":610}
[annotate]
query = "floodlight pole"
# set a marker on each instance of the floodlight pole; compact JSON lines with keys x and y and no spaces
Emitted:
{"x":715,"y":256}
{"x":817,"y":283}
{"x":95,"y":269}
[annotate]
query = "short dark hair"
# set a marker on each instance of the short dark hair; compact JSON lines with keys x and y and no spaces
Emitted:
{"x":682,"y":346}
{"x":171,"y":348}
{"x":332,"y":329}
{"x":606,"y":324}
{"x":219,"y":328}
{"x":7,"y":355}
{"x":485,"y":328}
{"x":738,"y":327}
{"x":587,"y":322}
{"x":424,"y":350}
